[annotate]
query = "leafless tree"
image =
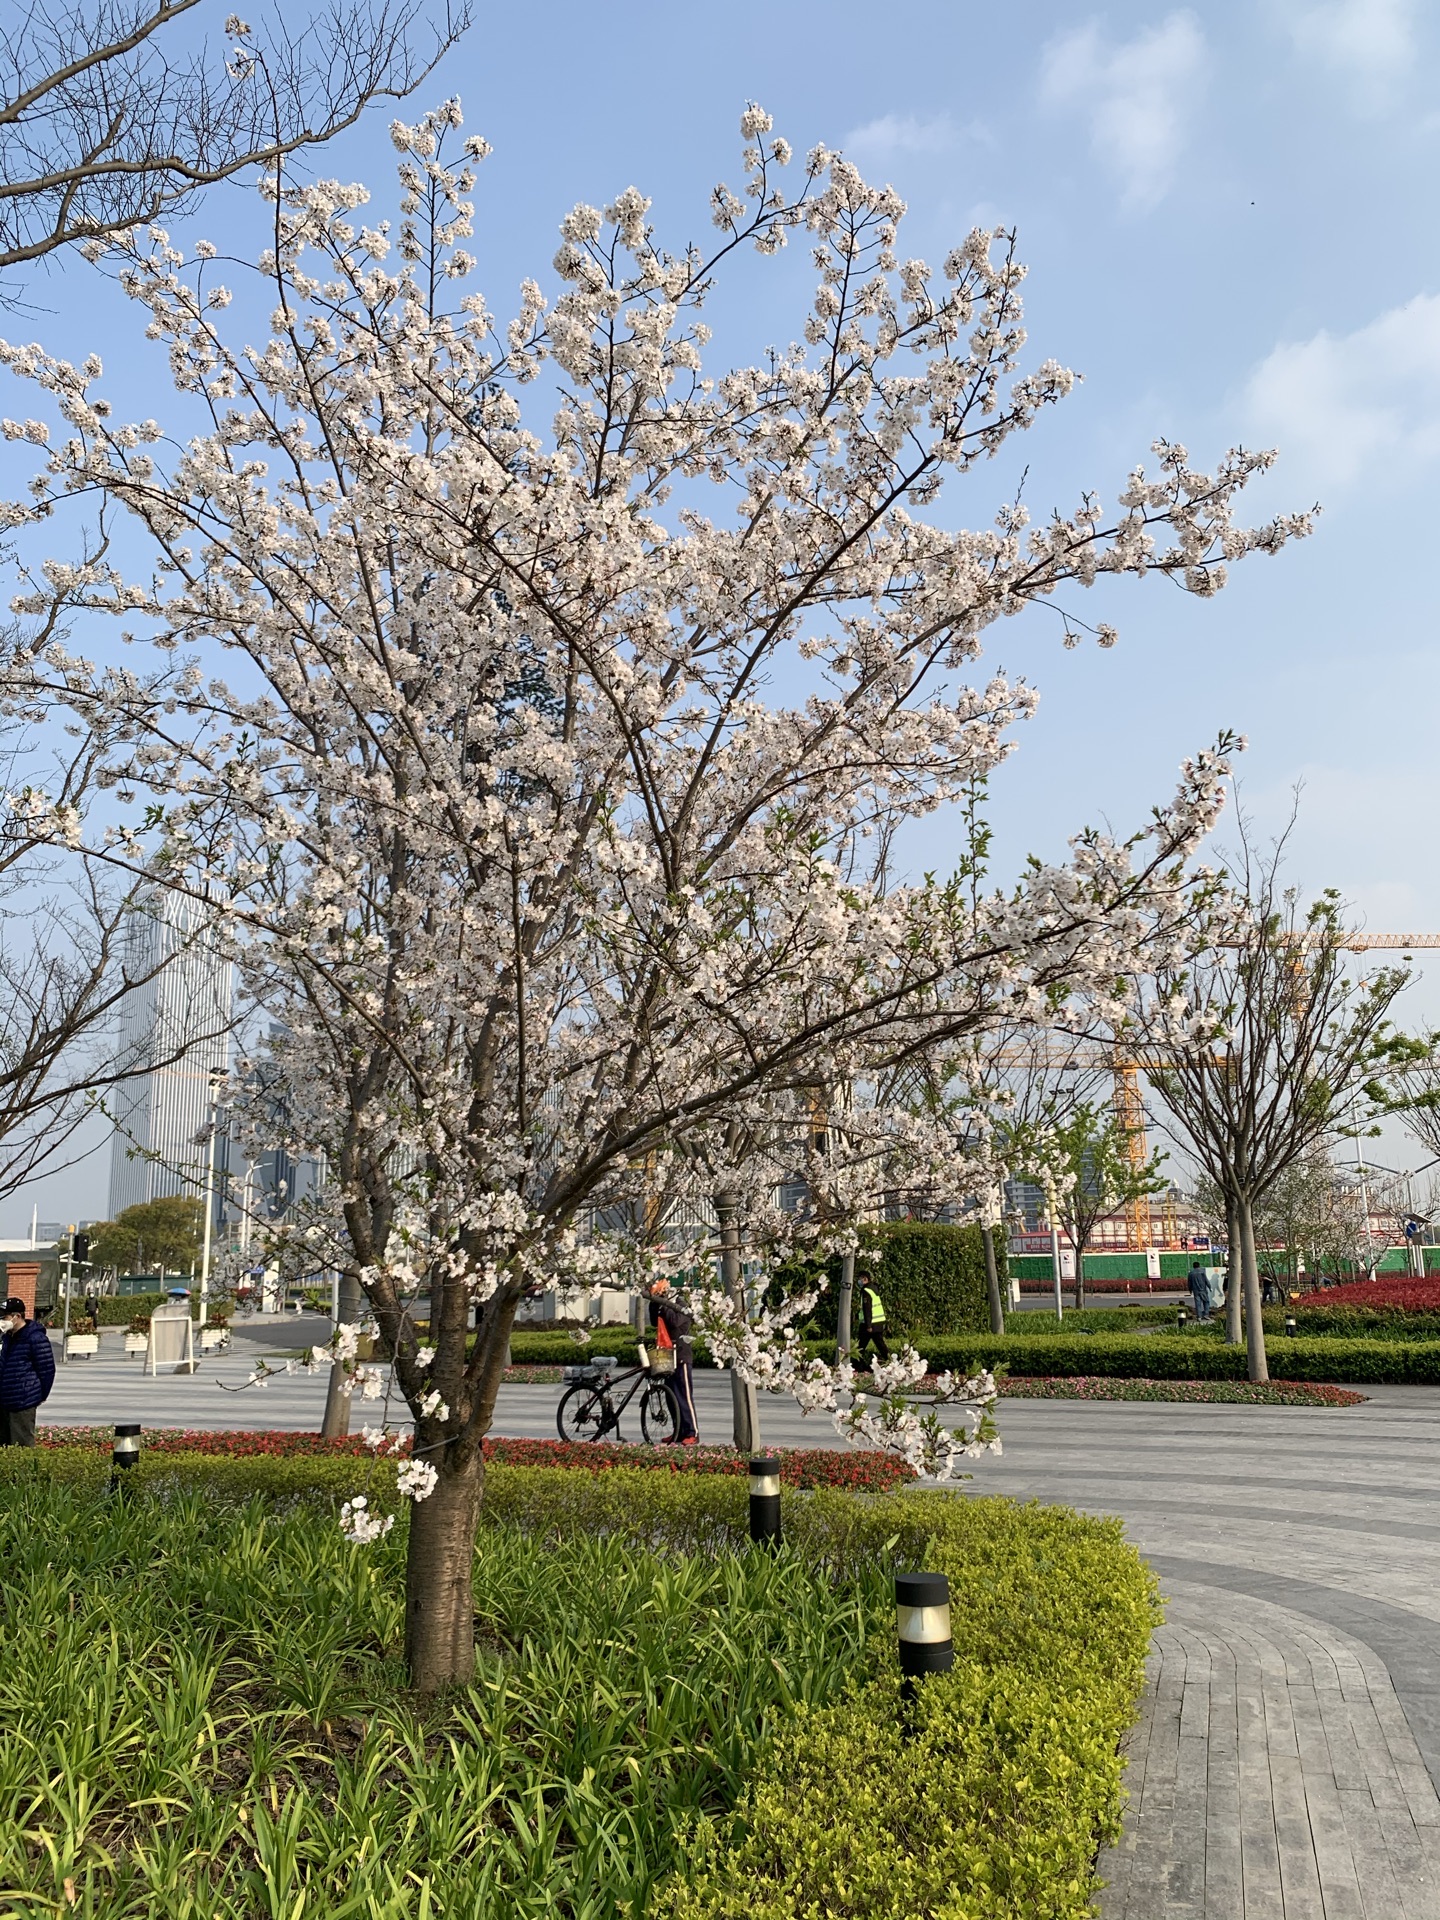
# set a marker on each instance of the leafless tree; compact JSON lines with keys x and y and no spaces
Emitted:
{"x":72,"y":951}
{"x":1280,"y":1043}
{"x":112,"y":112}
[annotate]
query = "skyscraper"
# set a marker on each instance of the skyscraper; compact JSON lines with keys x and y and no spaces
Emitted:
{"x":176,"y":1028}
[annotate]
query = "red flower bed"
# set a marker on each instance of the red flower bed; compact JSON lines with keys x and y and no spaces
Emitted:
{"x":1402,"y":1293}
{"x":855,"y":1469}
{"x":1273,"y":1393}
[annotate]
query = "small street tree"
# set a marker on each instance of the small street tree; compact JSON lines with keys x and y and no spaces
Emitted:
{"x":577,"y":696}
{"x":150,"y":1235}
{"x":1259,"y":1047}
{"x":1086,"y":1157}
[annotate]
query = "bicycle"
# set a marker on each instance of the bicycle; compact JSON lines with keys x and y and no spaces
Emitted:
{"x":588,"y":1409}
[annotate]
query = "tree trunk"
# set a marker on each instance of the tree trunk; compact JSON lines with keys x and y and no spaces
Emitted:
{"x":439,"y":1563}
{"x":992,"y":1281}
{"x":1234,"y":1283}
{"x":1081,"y":1241}
{"x":1254,"y":1325}
{"x":846,"y":1306}
{"x":337,"y":1401}
{"x":742,"y":1392}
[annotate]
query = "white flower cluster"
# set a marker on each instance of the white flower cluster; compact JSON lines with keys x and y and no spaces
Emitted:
{"x":362,"y":1527}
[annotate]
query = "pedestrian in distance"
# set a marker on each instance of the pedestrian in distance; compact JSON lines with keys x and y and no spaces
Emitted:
{"x":672,"y":1326}
{"x":1198,"y":1283}
{"x":872,"y":1317}
{"x":27,"y":1373}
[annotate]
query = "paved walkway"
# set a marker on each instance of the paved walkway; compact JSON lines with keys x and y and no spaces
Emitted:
{"x":1288,"y":1753}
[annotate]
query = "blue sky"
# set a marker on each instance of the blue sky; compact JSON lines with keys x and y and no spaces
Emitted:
{"x":1229,"y":218}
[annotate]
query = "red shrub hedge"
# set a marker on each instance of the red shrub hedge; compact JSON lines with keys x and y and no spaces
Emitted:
{"x":1400,"y":1292}
{"x":852,"y":1468}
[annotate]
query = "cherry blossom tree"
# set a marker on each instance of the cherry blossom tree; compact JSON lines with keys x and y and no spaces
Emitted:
{"x":538,"y":704}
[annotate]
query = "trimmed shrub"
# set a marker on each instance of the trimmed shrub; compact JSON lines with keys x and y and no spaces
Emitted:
{"x":118,"y":1310}
{"x":1199,"y":1357}
{"x":989,"y":1795}
{"x":930,"y":1276}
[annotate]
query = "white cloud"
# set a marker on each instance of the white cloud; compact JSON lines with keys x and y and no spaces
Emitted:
{"x":1136,"y":97}
{"x":901,"y":133}
{"x":1371,"y":43}
{"x":1337,"y":405}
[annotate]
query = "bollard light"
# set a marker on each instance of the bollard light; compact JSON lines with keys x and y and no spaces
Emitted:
{"x":765,"y":1500}
{"x":124,"y":1451}
{"x":1290,"y":1327}
{"x":922,"y":1622}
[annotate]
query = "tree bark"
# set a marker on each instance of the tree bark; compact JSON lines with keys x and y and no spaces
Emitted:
{"x":439,"y":1562}
{"x":846,"y":1306}
{"x":992,"y":1281}
{"x":1254,"y":1326}
{"x":337,"y":1401}
{"x":1081,"y":1242}
{"x":1234,"y":1282}
{"x":742,"y":1392}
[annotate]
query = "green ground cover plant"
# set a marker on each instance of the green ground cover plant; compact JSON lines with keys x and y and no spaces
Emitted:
{"x":205,"y":1709}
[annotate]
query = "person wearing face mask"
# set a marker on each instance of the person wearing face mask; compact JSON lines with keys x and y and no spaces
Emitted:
{"x":27,"y":1373}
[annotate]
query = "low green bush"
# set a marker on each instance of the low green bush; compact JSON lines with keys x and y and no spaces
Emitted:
{"x":988,"y":1797}
{"x":118,"y":1310}
{"x":1092,"y":1319}
{"x":1202,"y":1356}
{"x":1355,"y":1323}
{"x":205,"y":1713}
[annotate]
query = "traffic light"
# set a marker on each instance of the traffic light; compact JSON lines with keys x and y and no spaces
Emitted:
{"x":80,"y":1249}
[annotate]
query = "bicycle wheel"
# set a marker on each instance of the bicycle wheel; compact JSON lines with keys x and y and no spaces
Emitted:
{"x":659,"y":1413}
{"x":584,"y":1413}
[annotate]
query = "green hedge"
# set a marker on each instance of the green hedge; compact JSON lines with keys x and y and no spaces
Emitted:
{"x":931,"y":1278}
{"x":988,"y":1797}
{"x":1156,"y":1357}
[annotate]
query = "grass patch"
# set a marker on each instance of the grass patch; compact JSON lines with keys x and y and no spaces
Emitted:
{"x":205,"y":1713}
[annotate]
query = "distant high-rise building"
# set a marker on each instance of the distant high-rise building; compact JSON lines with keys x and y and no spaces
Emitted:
{"x":175,"y":1026}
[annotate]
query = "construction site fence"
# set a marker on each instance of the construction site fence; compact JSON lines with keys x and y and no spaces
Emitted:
{"x":1130,"y":1272}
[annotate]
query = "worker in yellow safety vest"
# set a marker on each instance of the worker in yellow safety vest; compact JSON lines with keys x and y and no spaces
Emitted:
{"x":872,"y":1317}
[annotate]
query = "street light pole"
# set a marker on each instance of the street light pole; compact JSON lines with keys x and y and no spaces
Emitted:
{"x":69,"y":1289}
{"x":215,"y":1080}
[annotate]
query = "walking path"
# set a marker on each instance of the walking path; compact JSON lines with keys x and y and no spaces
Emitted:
{"x":1288,"y":1753}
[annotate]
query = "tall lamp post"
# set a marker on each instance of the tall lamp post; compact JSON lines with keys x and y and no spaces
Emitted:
{"x":217,"y":1080}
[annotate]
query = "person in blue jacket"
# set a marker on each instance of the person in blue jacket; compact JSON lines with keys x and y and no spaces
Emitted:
{"x":27,"y":1373}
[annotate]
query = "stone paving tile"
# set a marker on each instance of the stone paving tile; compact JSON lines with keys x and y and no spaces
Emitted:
{"x":1276,"y":1780}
